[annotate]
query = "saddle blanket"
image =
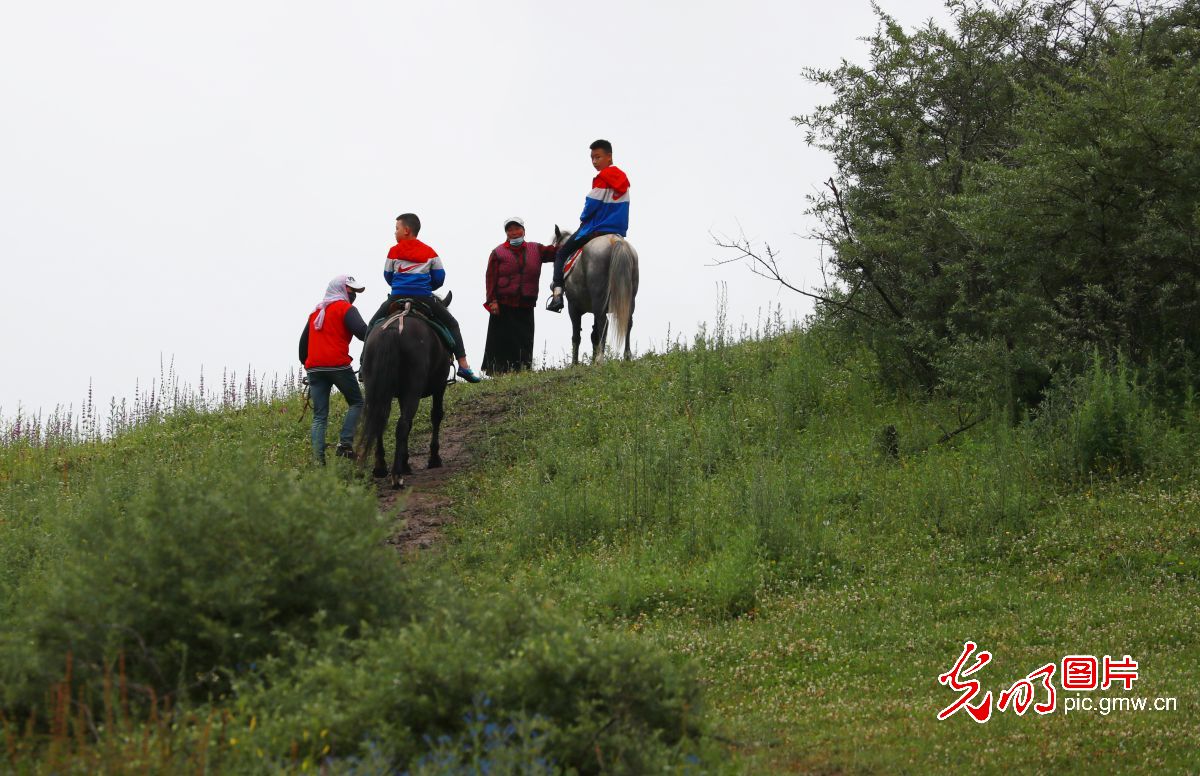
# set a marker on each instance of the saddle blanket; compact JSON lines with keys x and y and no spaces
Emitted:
{"x":396,"y":311}
{"x":570,"y":264}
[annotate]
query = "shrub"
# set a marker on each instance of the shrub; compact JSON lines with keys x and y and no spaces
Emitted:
{"x":575,"y":699}
{"x":1100,"y":423}
{"x":192,"y":576}
{"x":488,"y":746}
{"x":1108,"y":422}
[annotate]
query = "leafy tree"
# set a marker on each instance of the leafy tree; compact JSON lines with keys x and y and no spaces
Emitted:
{"x":1013,"y":193}
{"x":1086,"y":234}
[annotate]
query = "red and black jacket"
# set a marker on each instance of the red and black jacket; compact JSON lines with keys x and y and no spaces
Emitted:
{"x":513,"y":274}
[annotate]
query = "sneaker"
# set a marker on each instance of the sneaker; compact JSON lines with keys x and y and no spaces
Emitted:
{"x":345,"y":451}
{"x":555,"y":305}
{"x":469,"y":375}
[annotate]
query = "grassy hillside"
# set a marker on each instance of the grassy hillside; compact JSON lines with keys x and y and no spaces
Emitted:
{"x":739,"y":505}
{"x":743,"y":557}
{"x":195,"y":596}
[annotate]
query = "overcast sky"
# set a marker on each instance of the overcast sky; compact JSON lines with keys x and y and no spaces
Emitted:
{"x":182,"y":180}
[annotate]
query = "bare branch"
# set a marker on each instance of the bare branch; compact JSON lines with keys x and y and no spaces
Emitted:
{"x":962,"y":426}
{"x":767,"y":266}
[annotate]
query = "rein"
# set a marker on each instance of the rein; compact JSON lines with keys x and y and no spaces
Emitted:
{"x":307,"y":399}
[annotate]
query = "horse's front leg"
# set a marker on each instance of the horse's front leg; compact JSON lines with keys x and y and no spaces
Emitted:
{"x":400,"y":467}
{"x":576,"y":334}
{"x":435,"y":420}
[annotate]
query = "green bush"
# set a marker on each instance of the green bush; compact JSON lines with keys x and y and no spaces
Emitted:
{"x":1100,"y":423}
{"x":1109,"y":422}
{"x":487,"y":746}
{"x":426,"y":693}
{"x":981,"y":249}
{"x":191,"y":575}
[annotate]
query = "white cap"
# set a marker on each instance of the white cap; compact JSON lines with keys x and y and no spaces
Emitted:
{"x":354,"y":285}
{"x":514,"y":220}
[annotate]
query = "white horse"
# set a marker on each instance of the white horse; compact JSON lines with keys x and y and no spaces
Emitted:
{"x":604,"y":282}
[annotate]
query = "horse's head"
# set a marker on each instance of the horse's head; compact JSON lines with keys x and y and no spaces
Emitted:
{"x":560,"y":236}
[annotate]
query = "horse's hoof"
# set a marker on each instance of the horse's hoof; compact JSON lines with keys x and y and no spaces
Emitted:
{"x":435,"y":462}
{"x":397,"y":483}
{"x":379,"y":472}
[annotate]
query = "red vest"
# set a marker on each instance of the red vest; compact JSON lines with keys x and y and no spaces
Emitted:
{"x":517,"y":272}
{"x":331,"y":345}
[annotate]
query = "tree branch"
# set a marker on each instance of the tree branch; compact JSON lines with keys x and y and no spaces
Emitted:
{"x":870,"y":276}
{"x":768,"y":267}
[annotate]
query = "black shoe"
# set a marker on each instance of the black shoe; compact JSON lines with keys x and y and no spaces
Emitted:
{"x":345,"y":451}
{"x":555,"y":305}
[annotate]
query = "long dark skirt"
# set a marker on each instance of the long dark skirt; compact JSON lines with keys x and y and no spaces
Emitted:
{"x":509,"y":340}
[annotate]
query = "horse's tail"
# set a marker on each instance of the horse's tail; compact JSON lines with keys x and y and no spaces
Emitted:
{"x":380,"y":385}
{"x":621,"y":267}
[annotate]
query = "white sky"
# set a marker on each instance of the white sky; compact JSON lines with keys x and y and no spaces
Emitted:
{"x":181,"y":180}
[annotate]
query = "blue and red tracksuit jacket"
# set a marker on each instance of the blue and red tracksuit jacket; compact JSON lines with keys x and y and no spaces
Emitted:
{"x":413,"y":269}
{"x":606,"y":209}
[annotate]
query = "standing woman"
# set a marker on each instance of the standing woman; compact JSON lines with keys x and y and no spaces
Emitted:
{"x":325,"y":353}
{"x":513,"y":272}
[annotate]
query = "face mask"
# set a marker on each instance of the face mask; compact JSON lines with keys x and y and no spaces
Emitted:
{"x":515,"y":241}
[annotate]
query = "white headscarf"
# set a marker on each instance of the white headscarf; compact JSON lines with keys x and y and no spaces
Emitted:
{"x":335,"y":292}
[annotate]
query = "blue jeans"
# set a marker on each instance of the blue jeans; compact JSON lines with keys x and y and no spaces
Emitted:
{"x":319,"y":386}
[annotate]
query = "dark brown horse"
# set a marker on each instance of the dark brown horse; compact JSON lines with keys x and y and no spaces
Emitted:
{"x":405,"y":360}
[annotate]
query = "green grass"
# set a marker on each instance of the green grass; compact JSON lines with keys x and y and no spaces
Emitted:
{"x":195,"y":595}
{"x":731,"y":506}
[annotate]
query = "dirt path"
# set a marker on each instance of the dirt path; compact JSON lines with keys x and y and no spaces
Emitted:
{"x":425,"y":507}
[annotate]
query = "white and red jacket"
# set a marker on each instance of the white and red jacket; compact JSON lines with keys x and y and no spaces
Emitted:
{"x":413,"y":269}
{"x":606,"y":209}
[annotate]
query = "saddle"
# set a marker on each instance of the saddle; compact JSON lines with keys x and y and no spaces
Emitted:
{"x":406,"y":306}
{"x":570,"y":262}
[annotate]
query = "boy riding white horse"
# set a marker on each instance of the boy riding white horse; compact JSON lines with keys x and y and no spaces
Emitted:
{"x":605,"y":211}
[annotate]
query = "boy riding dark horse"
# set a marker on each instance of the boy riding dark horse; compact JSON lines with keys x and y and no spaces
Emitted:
{"x":605,"y":211}
{"x":413,"y":270}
